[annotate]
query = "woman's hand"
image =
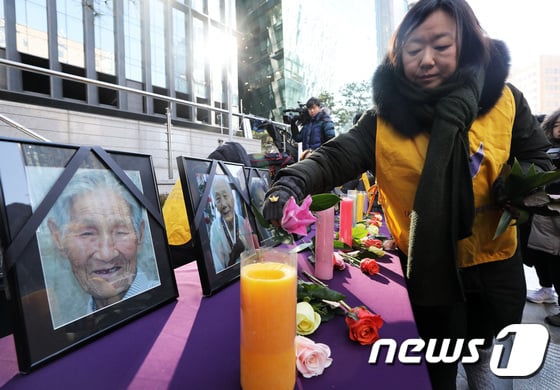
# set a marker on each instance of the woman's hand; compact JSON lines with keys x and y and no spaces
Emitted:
{"x":274,"y":203}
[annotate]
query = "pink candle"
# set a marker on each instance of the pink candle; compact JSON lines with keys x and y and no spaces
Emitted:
{"x":324,"y":243}
{"x":346,"y":220}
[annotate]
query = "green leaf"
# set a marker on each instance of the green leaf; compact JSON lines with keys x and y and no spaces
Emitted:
{"x":314,"y":294}
{"x":359,"y":231}
{"x":259,"y":217}
{"x":323,"y":201}
{"x":523,"y":217}
{"x":340,"y":245}
{"x":503,"y":224}
{"x":518,"y":185}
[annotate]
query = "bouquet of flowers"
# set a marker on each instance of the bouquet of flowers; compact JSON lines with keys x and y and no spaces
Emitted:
{"x":522,"y":194}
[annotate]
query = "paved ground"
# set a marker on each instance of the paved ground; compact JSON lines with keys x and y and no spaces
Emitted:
{"x":548,"y":377}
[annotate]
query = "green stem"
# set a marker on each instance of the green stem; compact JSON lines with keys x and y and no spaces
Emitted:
{"x":345,"y":305}
{"x":350,"y":259}
{"x":313,"y":279}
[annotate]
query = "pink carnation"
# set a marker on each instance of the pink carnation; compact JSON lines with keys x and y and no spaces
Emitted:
{"x":311,"y":358}
{"x":297,"y":218}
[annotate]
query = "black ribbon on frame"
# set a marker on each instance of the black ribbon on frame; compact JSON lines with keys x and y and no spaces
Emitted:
{"x":29,"y":229}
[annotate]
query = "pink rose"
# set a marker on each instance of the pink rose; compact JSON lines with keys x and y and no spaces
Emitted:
{"x":297,"y":218}
{"x":311,"y":358}
{"x":338,"y":261}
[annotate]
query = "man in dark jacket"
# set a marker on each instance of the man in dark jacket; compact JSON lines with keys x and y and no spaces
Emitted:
{"x":318,"y":130}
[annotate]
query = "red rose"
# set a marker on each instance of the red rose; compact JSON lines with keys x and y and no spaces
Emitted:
{"x":363,"y":325}
{"x":369,"y":266}
{"x":372,"y":242}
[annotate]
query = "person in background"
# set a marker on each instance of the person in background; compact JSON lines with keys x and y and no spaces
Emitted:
{"x":544,"y":243}
{"x":174,"y":210}
{"x":544,"y":238}
{"x":444,"y":124}
{"x":318,"y":130}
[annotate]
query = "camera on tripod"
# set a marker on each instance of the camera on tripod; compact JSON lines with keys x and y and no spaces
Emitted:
{"x":298,"y":116}
{"x":554,"y":154}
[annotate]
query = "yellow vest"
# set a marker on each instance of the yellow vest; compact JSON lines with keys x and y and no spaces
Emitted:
{"x":399,"y":162}
{"x":175,"y":217}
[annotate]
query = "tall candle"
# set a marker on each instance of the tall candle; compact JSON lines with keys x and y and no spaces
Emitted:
{"x":268,"y":291}
{"x":352,"y":195}
{"x":324,"y":244}
{"x":359,"y":206}
{"x":346,"y":220}
{"x":366,"y":203}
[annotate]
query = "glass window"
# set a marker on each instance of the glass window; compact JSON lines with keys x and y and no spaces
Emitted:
{"x":31,"y":27}
{"x":132,"y":40}
{"x":104,"y":36}
{"x":199,"y":58}
{"x":157,"y":42}
{"x":70,"y":35}
{"x":217,"y":56}
{"x":180,"y":50}
{"x":2,"y":25}
{"x":214,"y":10}
{"x":198,"y":5}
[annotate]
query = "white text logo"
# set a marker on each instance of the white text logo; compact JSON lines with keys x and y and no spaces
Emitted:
{"x":528,"y":340}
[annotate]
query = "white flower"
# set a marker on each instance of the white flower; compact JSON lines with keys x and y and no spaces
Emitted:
{"x":307,"y":320}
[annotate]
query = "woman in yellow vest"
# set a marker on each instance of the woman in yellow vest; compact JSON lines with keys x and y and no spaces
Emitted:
{"x":444,"y":123}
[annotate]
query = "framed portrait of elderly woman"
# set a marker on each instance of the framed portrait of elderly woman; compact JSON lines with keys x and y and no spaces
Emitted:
{"x":217,"y":203}
{"x":83,"y":241}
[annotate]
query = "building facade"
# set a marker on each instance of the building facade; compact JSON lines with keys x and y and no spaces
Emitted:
{"x":150,"y":76}
{"x":540,"y":82}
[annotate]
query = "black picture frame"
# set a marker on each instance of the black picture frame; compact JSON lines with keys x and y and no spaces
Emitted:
{"x":209,"y":233}
{"x":258,"y":182}
{"x":53,"y":312}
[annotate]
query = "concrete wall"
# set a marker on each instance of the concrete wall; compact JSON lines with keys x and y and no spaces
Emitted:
{"x":78,"y":128}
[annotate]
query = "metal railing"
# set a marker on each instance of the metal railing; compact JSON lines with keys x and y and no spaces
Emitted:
{"x":23,"y":129}
{"x":103,"y":84}
{"x":85,"y":80}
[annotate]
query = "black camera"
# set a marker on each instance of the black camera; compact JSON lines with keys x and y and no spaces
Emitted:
{"x":298,"y":116}
{"x":554,"y":154}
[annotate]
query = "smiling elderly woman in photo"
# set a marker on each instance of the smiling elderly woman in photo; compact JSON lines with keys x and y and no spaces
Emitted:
{"x":97,"y":225}
{"x":229,"y":230}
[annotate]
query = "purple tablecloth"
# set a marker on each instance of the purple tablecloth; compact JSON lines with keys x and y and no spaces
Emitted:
{"x":193,"y":343}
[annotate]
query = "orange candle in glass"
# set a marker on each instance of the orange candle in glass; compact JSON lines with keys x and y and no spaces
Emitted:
{"x":268,"y":320}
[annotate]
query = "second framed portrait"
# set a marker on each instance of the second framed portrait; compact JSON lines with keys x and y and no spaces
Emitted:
{"x":218,"y":208}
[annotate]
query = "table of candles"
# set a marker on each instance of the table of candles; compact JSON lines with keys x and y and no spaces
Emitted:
{"x":194,"y":343}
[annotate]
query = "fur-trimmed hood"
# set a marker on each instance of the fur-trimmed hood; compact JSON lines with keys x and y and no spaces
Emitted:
{"x":393,"y":107}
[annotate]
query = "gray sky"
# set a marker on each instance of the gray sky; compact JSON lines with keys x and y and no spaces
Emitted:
{"x":528,"y":28}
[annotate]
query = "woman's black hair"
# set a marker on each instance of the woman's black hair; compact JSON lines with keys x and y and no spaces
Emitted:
{"x":472,"y":43}
{"x":548,"y":125}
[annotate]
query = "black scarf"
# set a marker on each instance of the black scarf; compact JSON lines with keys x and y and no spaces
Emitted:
{"x":443,"y":211}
